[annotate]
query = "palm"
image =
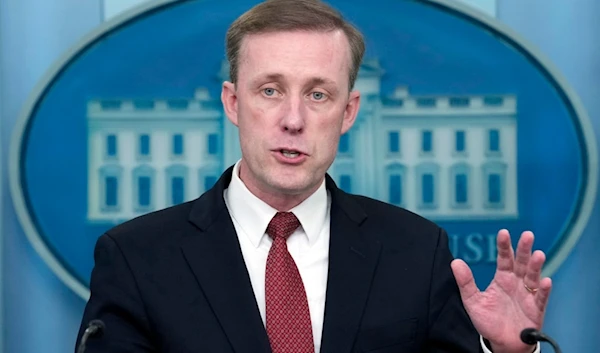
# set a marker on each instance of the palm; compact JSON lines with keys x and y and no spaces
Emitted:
{"x":506,"y":307}
{"x":500,"y":297}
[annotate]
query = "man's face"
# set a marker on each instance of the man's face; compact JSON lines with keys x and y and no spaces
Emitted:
{"x":291,"y":104}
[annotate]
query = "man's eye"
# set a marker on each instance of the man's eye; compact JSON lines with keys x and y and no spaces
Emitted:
{"x":269,"y":91}
{"x":318,"y":95}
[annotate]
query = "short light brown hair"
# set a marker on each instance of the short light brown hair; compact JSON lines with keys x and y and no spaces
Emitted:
{"x":292,"y":15}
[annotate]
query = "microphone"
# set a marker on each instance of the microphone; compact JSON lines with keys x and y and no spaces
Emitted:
{"x":533,"y":336}
{"x":95,"y":328}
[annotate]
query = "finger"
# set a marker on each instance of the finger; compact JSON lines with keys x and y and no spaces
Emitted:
{"x":505,"y":259}
{"x":534,"y":270}
{"x":523,"y":253}
{"x":464,"y":279}
{"x":542,"y":295}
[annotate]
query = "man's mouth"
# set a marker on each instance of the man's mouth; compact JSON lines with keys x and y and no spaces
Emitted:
{"x":290,"y":154}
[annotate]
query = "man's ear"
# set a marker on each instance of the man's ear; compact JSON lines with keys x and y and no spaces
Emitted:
{"x":351,"y":111}
{"x":230,"y":103}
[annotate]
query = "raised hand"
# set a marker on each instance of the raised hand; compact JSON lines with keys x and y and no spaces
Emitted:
{"x":515,"y":299}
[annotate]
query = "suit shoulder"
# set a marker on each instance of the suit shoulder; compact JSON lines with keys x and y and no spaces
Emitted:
{"x":396,"y":217}
{"x":154,"y":225}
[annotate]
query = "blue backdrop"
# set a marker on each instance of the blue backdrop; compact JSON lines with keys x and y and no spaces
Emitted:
{"x":41,"y":314}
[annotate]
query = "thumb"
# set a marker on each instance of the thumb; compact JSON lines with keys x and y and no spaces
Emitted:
{"x":464,"y":279}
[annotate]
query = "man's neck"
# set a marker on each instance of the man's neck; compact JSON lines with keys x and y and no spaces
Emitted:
{"x":281,"y":201}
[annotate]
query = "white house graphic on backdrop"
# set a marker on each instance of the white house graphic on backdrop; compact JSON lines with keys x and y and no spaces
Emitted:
{"x":442,"y":156}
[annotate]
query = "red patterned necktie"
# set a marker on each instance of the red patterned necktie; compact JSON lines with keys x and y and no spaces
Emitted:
{"x":288,"y":317}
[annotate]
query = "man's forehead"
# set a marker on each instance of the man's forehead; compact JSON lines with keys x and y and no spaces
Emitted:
{"x":328,"y":47}
{"x":335,"y":39}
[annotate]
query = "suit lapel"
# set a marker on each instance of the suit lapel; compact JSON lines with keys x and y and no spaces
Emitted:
{"x":353,"y":258}
{"x":216,"y":260}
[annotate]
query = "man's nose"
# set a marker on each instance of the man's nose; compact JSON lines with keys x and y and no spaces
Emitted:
{"x":293,"y":119}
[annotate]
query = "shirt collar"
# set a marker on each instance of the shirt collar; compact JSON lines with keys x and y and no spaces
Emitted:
{"x":253,"y":215}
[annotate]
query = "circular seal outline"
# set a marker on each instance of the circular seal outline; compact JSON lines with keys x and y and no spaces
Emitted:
{"x":570,"y":233}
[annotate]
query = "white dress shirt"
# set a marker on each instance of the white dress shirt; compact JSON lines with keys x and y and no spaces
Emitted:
{"x":308,"y":245}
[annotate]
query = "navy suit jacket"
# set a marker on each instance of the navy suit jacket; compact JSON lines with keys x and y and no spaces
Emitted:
{"x":175,"y":281}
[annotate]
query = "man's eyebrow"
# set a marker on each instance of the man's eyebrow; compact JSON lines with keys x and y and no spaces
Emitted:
{"x":267,"y":77}
{"x":321,"y":81}
{"x":329,"y":84}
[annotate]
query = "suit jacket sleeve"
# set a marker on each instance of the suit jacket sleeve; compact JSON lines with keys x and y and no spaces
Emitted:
{"x":115,"y":299}
{"x":450,"y":328}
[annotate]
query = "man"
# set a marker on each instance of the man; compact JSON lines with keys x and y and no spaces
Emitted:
{"x":275,"y":257}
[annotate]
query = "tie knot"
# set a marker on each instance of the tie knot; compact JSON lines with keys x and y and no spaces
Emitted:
{"x":282,"y":225}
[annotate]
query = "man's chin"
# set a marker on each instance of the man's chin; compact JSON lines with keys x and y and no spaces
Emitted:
{"x":289,"y":186}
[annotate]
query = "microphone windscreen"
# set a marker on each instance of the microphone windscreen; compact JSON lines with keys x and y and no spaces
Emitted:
{"x":529,"y":336}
